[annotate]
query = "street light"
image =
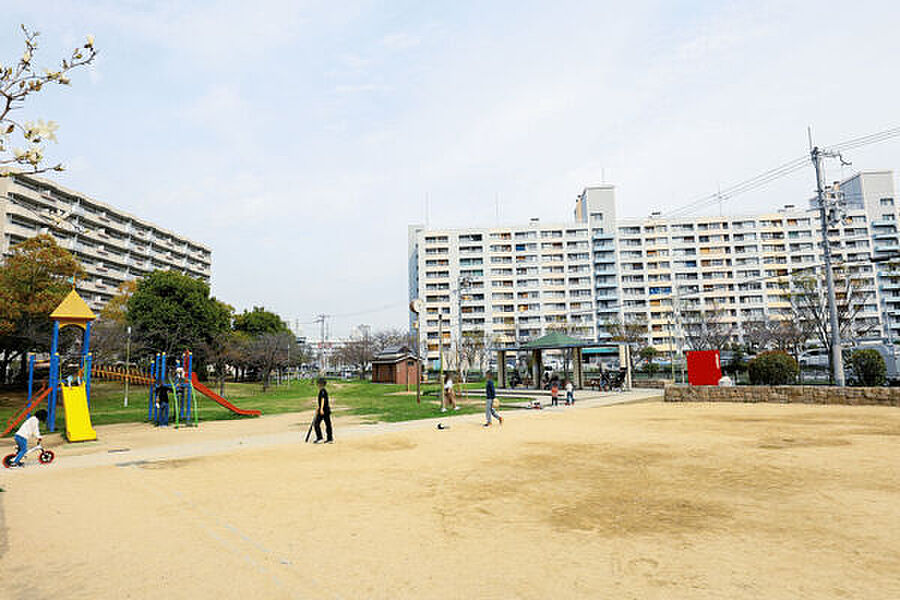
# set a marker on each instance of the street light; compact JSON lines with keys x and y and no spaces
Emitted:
{"x":464,"y":283}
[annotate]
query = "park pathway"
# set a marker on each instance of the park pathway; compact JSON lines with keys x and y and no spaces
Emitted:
{"x":131,"y":444}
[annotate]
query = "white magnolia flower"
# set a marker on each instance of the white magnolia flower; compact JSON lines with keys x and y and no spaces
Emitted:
{"x":46,"y":131}
{"x":90,"y":40}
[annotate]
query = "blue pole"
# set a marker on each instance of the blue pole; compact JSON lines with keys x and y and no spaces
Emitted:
{"x":188,"y":388}
{"x":86,"y":358}
{"x":54,"y":377}
{"x":30,"y":378}
{"x":87,"y":377}
{"x":150,"y":404}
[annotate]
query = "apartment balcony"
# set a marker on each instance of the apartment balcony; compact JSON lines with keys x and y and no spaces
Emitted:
{"x":22,"y":230}
{"x":889,"y":246}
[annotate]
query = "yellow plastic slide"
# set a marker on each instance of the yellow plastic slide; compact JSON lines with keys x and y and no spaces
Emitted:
{"x":78,"y":418}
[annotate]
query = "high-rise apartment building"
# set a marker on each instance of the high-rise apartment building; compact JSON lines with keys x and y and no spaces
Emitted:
{"x":666,"y":274}
{"x":112,"y":246}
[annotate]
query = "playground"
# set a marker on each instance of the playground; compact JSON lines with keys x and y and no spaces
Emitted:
{"x":645,"y":500}
{"x":97,"y":394}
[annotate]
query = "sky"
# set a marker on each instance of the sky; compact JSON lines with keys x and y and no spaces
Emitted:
{"x":300,"y":139}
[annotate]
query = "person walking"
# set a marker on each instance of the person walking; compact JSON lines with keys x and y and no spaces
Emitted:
{"x":449,"y":396}
{"x":489,"y":395}
{"x":570,"y":393}
{"x":554,"y":392}
{"x":323,"y":413}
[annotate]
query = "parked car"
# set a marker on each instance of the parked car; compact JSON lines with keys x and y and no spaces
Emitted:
{"x":816,"y":357}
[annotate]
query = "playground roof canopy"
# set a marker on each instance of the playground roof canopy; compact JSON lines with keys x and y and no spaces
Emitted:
{"x":73,"y":308}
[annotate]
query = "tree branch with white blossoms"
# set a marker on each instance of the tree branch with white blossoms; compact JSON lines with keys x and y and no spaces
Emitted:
{"x":22,"y":143}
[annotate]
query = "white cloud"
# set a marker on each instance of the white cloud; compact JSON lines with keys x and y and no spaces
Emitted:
{"x":301,"y":139}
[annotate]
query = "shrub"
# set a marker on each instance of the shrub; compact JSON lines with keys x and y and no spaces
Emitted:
{"x":773,"y":368}
{"x":868,"y":367}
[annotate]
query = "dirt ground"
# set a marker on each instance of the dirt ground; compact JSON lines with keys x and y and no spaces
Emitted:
{"x":641,"y":501}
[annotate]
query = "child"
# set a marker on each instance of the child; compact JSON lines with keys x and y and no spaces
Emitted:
{"x":323,"y":413}
{"x":448,"y":394}
{"x":570,"y":393}
{"x":490,"y":393}
{"x":554,"y":392}
{"x":162,"y":416}
{"x":28,"y":429}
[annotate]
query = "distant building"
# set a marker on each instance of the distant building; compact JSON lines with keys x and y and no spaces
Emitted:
{"x":112,"y":245}
{"x":395,"y":364}
{"x":515,"y":283}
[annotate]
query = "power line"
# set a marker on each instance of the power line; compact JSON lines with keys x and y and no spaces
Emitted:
{"x":769,"y":176}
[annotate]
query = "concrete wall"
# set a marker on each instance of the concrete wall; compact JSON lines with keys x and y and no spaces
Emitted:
{"x":785,"y":394}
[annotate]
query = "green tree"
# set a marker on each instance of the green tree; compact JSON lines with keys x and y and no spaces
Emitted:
{"x":773,"y":368}
{"x":737,"y":363}
{"x":174,"y":312}
{"x":20,"y":79}
{"x":33,"y":281}
{"x":868,"y":367}
{"x":649,"y":354}
{"x":259,"y":321}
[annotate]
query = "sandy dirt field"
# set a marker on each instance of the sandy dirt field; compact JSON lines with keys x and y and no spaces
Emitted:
{"x":636,"y":501}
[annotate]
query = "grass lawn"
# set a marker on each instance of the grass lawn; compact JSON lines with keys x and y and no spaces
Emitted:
{"x":372,"y":402}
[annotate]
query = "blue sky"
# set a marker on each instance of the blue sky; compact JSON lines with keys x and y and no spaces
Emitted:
{"x":299,"y":139}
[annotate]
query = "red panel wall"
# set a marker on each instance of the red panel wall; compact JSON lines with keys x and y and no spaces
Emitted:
{"x":704,"y":367}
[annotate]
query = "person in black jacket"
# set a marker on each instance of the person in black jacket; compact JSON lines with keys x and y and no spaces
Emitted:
{"x":323,"y":413}
{"x":162,"y":404}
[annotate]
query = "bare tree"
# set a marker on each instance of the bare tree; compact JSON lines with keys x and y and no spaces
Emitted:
{"x":270,"y":352}
{"x":358,"y":352}
{"x":631,"y":331}
{"x":479,"y":350}
{"x":220,"y":351}
{"x":389,"y":337}
{"x":852,"y":295}
{"x":108,"y":339}
{"x":707,"y":329}
{"x":760,"y":334}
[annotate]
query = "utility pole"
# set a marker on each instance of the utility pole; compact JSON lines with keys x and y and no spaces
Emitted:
{"x":320,"y":319}
{"x":441,"y":354}
{"x":464,"y":283}
{"x":837,"y":360}
{"x":415,"y":307}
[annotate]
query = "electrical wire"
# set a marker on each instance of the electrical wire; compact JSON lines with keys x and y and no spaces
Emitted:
{"x":769,"y":176}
